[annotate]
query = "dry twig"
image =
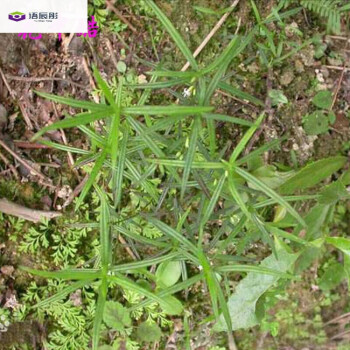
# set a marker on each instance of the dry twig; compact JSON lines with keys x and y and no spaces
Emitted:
{"x":25,"y":213}
{"x":45,"y":181}
{"x":211,"y":34}
{"x":111,"y":7}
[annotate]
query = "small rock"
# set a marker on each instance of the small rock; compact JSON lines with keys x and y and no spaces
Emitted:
{"x":287,"y":77}
{"x":76,"y":46}
{"x":3,"y":117}
{"x":7,"y":270}
{"x":299,"y":67}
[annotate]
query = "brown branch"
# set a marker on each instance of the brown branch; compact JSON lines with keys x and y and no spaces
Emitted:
{"x":38,"y":79}
{"x":25,"y":213}
{"x":33,"y":171}
{"x":111,"y":7}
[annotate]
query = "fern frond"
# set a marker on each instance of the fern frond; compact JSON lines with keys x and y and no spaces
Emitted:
{"x":329,"y":9}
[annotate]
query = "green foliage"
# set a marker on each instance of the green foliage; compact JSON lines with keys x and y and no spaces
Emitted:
{"x":331,"y":10}
{"x":323,"y":100}
{"x":116,"y":316}
{"x":149,"y":332}
{"x":186,"y":206}
{"x":316,"y":123}
{"x":242,"y":303}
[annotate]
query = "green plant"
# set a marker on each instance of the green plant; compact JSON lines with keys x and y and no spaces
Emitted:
{"x":319,"y":121}
{"x":332,"y":10}
{"x":145,"y":164}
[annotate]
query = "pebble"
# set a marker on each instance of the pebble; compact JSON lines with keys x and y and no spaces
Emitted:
{"x":3,"y":117}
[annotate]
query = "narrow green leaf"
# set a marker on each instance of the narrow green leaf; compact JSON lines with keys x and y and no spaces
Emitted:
{"x":167,"y":230}
{"x":252,"y":268}
{"x":166,"y":110}
{"x":64,"y":147}
{"x":240,"y":94}
{"x":69,"y":274}
{"x":190,"y":154}
{"x":269,"y":192}
{"x":144,"y":263}
{"x":227,"y":118}
{"x":100,"y":306}
{"x":77,"y":120}
{"x":92,"y":178}
{"x":181,"y":164}
{"x":75,"y":103}
{"x":245,"y":139}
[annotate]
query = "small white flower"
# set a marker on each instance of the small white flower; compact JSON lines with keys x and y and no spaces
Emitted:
{"x":186,"y":93}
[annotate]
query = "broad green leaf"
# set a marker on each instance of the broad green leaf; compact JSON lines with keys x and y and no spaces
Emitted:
{"x":173,"y":306}
{"x":333,"y":193}
{"x":316,"y":123}
{"x":277,"y":97}
{"x":168,"y":273}
{"x":312,"y":174}
{"x":343,"y":244}
{"x":116,"y":316}
{"x":270,"y":176}
{"x":148,"y":332}
{"x":271,"y":193}
{"x":171,"y":290}
{"x":242,"y":303}
{"x":332,"y":277}
{"x":164,"y":302}
{"x":323,"y":99}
